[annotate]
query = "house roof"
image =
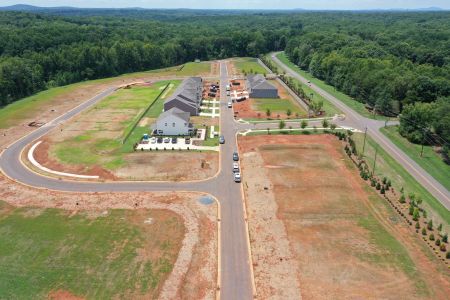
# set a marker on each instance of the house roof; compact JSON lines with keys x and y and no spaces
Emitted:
{"x":259,"y":82}
{"x":174,"y":111}
{"x":189,"y":92}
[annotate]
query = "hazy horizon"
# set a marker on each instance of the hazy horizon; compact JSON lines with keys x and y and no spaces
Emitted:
{"x":243,"y":4}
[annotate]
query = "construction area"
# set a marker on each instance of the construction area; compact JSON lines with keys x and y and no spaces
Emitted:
{"x":319,"y":231}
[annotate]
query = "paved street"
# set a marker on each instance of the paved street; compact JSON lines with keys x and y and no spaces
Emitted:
{"x":235,"y":273}
{"x":355,"y":120}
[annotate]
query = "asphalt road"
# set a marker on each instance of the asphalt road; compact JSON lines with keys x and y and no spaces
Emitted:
{"x":355,"y":120}
{"x":236,"y":281}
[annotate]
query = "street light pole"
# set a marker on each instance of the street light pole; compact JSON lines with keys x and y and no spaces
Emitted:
{"x":364,"y":144}
{"x":375,"y":161}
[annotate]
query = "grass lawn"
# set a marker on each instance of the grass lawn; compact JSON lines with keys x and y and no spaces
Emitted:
{"x":431,"y":161}
{"x":249,"y":65}
{"x":277,"y":106}
{"x":193,"y":68}
{"x":387,"y":166}
{"x":87,"y":254}
{"x":158,"y":106}
{"x":92,"y":147}
{"x":19,"y":111}
{"x":347,"y":100}
{"x":211,"y":142}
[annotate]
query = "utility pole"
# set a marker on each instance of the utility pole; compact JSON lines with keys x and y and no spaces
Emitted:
{"x":423,"y":141}
{"x":375,"y":161}
{"x":364,"y":144}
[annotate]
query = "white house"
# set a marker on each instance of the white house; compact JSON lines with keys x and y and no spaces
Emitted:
{"x":173,"y":122}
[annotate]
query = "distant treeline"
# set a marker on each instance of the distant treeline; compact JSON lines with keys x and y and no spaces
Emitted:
{"x":385,"y":60}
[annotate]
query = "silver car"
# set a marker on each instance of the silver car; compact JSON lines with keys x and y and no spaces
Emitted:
{"x":237,"y":177}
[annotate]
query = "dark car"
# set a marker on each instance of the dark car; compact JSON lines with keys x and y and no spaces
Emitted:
{"x":187,"y":141}
{"x":235,"y":156}
{"x":159,"y":140}
{"x":222,"y":139}
{"x":174,"y":140}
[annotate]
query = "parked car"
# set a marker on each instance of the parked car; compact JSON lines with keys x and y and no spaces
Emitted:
{"x":174,"y":140}
{"x":235,"y":156}
{"x":187,"y":141}
{"x":235,"y":167}
{"x":159,"y":140}
{"x":153,"y":140}
{"x":230,"y":105}
{"x":228,"y":93}
{"x":167,"y":140}
{"x":222,"y":139}
{"x":237,"y":177}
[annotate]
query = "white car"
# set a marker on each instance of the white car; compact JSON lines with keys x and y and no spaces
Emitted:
{"x":153,"y":140}
{"x":230,"y":105}
{"x":166,"y":140}
{"x":235,"y":167}
{"x":237,"y":177}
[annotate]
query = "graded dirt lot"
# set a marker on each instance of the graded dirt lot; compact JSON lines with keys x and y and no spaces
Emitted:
{"x":318,"y":230}
{"x":256,"y":108}
{"x":108,"y":240}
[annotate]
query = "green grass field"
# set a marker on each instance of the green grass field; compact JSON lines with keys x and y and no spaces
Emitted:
{"x":347,"y":100}
{"x":249,"y":65}
{"x":387,"y":166}
{"x":96,"y":257}
{"x":277,"y":106}
{"x":158,"y":106}
{"x":19,"y":111}
{"x":431,"y":161}
{"x":89,"y":149}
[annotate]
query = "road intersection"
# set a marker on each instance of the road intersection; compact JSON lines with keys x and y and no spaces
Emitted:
{"x":236,"y":277}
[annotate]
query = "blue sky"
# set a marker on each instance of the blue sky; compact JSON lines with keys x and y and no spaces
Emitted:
{"x":241,"y":4}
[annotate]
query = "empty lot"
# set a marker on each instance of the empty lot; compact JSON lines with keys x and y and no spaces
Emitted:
{"x":341,"y":237}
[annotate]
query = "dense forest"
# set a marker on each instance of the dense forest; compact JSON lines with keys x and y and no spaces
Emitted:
{"x":393,"y":62}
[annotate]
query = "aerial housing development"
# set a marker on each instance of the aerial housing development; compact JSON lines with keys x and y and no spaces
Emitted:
{"x":224,"y":154}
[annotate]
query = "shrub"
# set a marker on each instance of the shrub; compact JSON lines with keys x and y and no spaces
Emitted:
{"x":411,"y":210}
{"x":439,"y":227}
{"x":424,"y":214}
{"x":445,"y":238}
{"x":389,"y":183}
{"x":378,"y":187}
{"x":325,"y":123}
{"x":384,"y":180}
{"x":332,"y":126}
{"x":416,"y":214}
{"x":373,"y":182}
{"x":431,"y":237}
{"x":424,"y":231}
{"x":418,"y":225}
{"x":402,"y":199}
{"x":438,"y":242}
{"x":448,"y":255}
{"x":430,"y":225}
{"x":442,"y":247}
{"x":382,"y":191}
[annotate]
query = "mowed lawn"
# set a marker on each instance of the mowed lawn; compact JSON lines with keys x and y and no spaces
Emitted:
{"x":347,"y":100}
{"x":276,"y":106}
{"x":400,"y":178}
{"x":430,"y":161}
{"x":88,"y":254}
{"x":98,"y":133}
{"x":248,"y":66}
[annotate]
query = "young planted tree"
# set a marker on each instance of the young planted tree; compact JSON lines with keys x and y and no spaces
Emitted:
{"x":304,"y":124}
{"x":416,"y":214}
{"x":431,"y":237}
{"x":332,"y":126}
{"x":288,"y":112}
{"x":325,"y":123}
{"x":430,"y":225}
{"x":281,"y":125}
{"x":402,"y":199}
{"x":268,"y":113}
{"x":424,"y":231}
{"x":443,"y":247}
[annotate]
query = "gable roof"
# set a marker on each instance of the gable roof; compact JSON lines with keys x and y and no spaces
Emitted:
{"x":259,"y":82}
{"x":189,"y":92}
{"x":185,"y":116}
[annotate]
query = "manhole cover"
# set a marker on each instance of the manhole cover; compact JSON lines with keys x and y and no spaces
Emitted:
{"x":206,"y":200}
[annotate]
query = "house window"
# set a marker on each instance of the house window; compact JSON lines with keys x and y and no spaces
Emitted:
{"x":173,"y":124}
{"x":165,"y":124}
{"x":185,"y":124}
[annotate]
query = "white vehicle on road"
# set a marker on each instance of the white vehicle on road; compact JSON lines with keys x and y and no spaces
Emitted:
{"x":237,"y":177}
{"x":235,"y":167}
{"x":230,"y":105}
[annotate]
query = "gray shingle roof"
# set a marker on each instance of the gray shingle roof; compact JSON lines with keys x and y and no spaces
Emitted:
{"x":185,"y":116}
{"x":259,"y":82}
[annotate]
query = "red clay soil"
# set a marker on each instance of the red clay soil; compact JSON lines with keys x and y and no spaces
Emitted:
{"x":433,"y":272}
{"x":41,"y":156}
{"x":62,"y":295}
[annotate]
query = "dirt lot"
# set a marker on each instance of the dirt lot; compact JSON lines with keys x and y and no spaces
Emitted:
{"x":250,"y":109}
{"x":338,"y":237}
{"x":195,"y":270}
